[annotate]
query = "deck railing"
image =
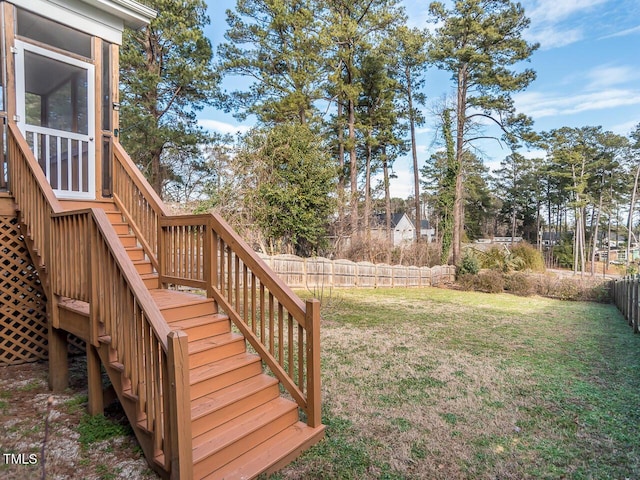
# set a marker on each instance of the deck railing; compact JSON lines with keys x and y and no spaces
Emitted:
{"x":31,"y":191}
{"x":138,"y":202}
{"x":91,"y":265}
{"x":204,"y":252}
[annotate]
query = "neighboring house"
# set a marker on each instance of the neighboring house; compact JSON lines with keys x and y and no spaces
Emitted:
{"x":507,"y":240}
{"x":614,"y":240}
{"x":550,"y":239}
{"x":403,"y":228}
{"x":426,"y":232}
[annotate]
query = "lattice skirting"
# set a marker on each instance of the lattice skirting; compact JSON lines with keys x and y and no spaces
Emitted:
{"x":23,"y":318}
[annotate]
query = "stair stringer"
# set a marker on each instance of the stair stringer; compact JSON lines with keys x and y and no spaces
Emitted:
{"x":129,"y":404}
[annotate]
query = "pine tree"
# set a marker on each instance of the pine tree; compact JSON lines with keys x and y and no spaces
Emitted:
{"x":410,"y":60}
{"x":166,"y":77}
{"x":276,"y":44}
{"x":353,"y":26}
{"x":477,"y":41}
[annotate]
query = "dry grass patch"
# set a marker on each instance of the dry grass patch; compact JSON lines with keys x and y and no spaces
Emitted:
{"x":431,"y":383}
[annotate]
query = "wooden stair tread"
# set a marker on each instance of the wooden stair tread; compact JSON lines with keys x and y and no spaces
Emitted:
{"x":171,"y":298}
{"x":276,"y":451}
{"x":198,"y":321}
{"x":214,"y":342}
{"x":228,"y":364}
{"x":230,"y":432}
{"x":241,"y":425}
{"x":229,"y":395}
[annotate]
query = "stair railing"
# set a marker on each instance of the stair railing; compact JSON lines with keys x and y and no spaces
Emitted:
{"x":31,"y":191}
{"x":203,"y":251}
{"x":91,"y":265}
{"x":138,"y":202}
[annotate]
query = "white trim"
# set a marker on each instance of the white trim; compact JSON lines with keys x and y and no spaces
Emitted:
{"x":103,"y":18}
{"x":91,"y":120}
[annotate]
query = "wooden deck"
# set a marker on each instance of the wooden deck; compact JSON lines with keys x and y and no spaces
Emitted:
{"x":199,"y":403}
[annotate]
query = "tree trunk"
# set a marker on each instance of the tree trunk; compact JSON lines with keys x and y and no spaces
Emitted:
{"x":367,"y":194}
{"x":387,"y":200}
{"x":458,"y":211}
{"x":341,"y":187}
{"x":594,"y":239}
{"x":632,"y":206}
{"x":353,"y":169}
{"x":414,"y":153}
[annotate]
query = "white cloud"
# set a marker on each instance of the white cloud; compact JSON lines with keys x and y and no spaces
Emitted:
{"x":552,"y":37}
{"x":608,"y":75}
{"x":624,"y":128}
{"x":222,"y":127}
{"x":539,"y":105}
{"x":554,"y":11}
{"x":550,"y":18}
{"x":535,"y":153}
{"x":402,"y":186}
{"x":624,"y":33}
{"x":421,"y":130}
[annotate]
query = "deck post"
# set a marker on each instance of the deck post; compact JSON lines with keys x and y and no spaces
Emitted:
{"x":210,"y":260}
{"x":94,"y":376}
{"x":180,"y":406}
{"x":58,"y":367}
{"x":314,"y":395}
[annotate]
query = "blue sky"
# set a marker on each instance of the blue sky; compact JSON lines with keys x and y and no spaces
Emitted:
{"x":588,"y":73}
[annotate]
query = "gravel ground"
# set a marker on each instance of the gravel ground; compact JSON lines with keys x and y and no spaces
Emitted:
{"x":40,"y":436}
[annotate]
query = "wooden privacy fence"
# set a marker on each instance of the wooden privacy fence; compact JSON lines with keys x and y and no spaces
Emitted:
{"x":625,"y":294}
{"x":317,"y":272}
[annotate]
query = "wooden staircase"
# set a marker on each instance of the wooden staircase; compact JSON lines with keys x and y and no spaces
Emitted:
{"x":200,"y":404}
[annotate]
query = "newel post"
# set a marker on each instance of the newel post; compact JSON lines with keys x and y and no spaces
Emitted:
{"x":161,"y":253}
{"x":94,"y":371}
{"x":179,"y":405}
{"x":58,"y":348}
{"x":210,"y":257}
{"x":314,"y":395}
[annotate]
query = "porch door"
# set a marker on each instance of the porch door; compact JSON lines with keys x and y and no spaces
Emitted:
{"x":55,"y":106}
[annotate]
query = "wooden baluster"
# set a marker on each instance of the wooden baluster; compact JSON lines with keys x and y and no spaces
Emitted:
{"x":253,"y":302}
{"x":271,"y":324}
{"x":236,"y":275}
{"x":223,"y":264}
{"x":229,"y":274}
{"x":290,"y":344}
{"x":245,"y":291}
{"x":314,"y":411}
{"x":215,"y":258}
{"x":262,"y":314}
{"x":157,"y":396}
{"x":280,"y":334}
{"x":301,"y":362}
{"x":149,"y":378}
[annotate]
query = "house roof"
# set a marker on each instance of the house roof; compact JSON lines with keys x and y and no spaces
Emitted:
{"x":380,"y":219}
{"x":135,"y":14}
{"x":103,"y":18}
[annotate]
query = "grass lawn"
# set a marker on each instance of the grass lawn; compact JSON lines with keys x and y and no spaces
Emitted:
{"x":441,"y":384}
